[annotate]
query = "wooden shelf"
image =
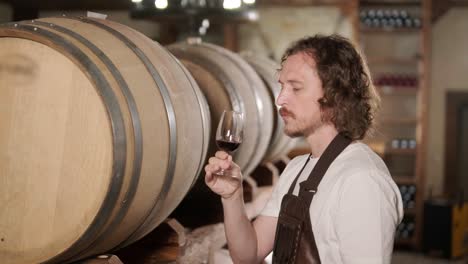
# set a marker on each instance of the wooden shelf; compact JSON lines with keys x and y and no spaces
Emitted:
{"x":397,"y":90}
{"x":404,"y":241}
{"x":396,"y":61}
{"x":411,"y":103}
{"x":390,"y":3}
{"x":407,"y":151}
{"x":404,"y":179}
{"x":410,"y":211}
{"x":384,"y":30}
{"x":398,"y":121}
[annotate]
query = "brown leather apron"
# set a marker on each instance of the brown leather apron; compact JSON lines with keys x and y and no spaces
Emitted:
{"x":294,"y":240}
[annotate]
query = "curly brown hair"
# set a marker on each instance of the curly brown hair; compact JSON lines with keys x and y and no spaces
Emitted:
{"x":350,"y":100}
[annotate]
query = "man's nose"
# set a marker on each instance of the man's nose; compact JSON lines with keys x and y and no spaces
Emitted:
{"x":281,"y":98}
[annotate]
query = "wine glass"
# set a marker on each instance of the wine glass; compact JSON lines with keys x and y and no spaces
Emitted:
{"x":229,"y":133}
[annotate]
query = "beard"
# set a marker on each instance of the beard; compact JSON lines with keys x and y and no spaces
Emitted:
{"x":286,"y":114}
{"x":292,"y":132}
{"x":302,"y":131}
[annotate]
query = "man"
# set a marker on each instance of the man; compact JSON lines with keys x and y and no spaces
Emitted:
{"x":348,"y":207}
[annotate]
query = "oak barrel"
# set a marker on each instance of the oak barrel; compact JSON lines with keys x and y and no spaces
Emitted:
{"x":102,"y":134}
{"x":229,"y":82}
{"x":280,"y":144}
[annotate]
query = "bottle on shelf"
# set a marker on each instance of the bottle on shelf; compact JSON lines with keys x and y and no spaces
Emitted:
{"x":408,"y":195}
{"x":405,"y":229}
{"x":388,"y":19}
{"x":397,"y":80}
{"x":403,"y":143}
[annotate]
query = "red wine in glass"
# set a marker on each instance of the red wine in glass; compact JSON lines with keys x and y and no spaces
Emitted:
{"x":229,"y":133}
{"x":228,"y":146}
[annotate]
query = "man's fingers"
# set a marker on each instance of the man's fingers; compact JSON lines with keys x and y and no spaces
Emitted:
{"x":215,"y":160}
{"x":209,"y":177}
{"x":222,"y":155}
{"x":226,"y":164}
{"x":217,"y":163}
{"x":210,"y":168}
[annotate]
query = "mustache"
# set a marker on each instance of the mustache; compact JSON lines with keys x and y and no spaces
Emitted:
{"x":285,"y":112}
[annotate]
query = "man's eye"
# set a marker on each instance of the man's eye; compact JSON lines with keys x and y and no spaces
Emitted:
{"x":295,"y":89}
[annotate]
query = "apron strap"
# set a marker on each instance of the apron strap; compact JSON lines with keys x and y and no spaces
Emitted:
{"x":291,"y":188}
{"x":309,"y":186}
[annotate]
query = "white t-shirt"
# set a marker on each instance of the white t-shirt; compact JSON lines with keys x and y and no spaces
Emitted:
{"x":356,"y":209}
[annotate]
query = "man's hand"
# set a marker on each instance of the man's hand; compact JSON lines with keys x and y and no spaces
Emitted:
{"x":230,"y":183}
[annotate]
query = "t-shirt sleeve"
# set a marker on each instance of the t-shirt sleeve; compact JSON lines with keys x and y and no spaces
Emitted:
{"x":273,"y":205}
{"x":364,"y":227}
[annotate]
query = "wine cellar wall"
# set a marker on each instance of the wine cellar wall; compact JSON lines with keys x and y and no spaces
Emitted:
{"x":394,"y":39}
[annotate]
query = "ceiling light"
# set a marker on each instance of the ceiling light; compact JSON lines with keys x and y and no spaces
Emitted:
{"x":160,"y":4}
{"x":231,"y":4}
{"x":249,"y":2}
